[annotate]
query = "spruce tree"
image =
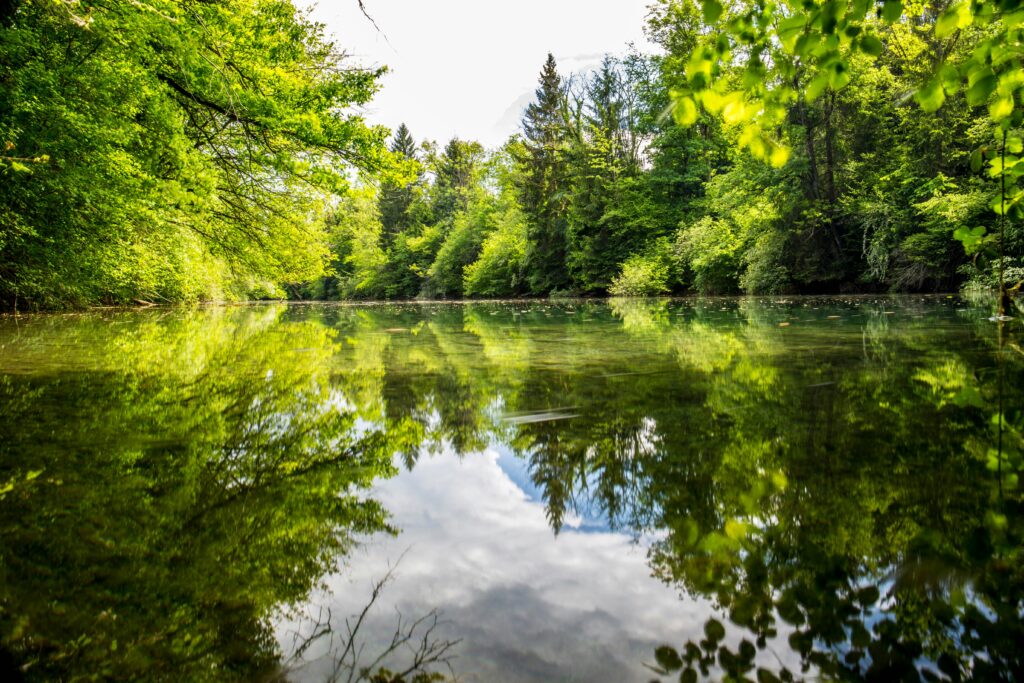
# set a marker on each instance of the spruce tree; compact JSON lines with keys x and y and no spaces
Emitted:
{"x":395,"y":200}
{"x":543,"y":182}
{"x":455,"y":173}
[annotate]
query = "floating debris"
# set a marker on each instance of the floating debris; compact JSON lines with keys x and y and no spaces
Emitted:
{"x":531,"y":417}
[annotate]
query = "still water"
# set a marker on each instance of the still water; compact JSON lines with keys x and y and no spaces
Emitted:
{"x":776,"y":489}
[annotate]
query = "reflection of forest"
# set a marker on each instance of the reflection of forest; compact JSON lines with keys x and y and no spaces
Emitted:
{"x":838,"y":475}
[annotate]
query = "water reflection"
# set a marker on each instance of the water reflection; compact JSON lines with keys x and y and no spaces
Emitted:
{"x":168,"y":487}
{"x":815,"y":483}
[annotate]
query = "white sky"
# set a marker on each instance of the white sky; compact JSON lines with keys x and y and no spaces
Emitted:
{"x":468,"y":67}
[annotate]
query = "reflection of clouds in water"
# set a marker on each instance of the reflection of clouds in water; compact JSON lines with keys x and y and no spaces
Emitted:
{"x":528,"y":606}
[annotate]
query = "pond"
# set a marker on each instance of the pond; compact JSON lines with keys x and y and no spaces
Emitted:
{"x":631,"y":490}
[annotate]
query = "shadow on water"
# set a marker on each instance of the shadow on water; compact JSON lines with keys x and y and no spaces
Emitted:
{"x":827,"y":471}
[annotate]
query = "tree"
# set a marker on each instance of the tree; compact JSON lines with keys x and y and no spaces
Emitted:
{"x":793,"y":54}
{"x":397,"y":197}
{"x":170,"y":151}
{"x":543,"y":183}
{"x":455,"y":176}
{"x":610,"y":213}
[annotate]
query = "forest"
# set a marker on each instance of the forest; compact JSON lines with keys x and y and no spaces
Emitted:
{"x":161,"y":151}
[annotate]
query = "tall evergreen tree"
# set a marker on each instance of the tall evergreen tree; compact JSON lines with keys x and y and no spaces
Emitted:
{"x":543,"y":181}
{"x":455,"y":175}
{"x":396,"y":199}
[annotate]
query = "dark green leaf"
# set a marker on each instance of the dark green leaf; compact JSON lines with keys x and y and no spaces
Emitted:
{"x":667,"y":658}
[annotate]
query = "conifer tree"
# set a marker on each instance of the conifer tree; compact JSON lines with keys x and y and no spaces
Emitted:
{"x":395,"y":200}
{"x":543,"y":182}
{"x":455,"y":175}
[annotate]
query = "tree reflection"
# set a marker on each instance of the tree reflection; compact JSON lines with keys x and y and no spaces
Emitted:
{"x":196,"y":478}
{"x":825,"y":472}
{"x":832,"y":489}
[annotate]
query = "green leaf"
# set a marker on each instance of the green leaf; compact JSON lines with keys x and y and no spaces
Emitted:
{"x":839,"y":77}
{"x":930,"y":96}
{"x":667,"y":658}
{"x":977,"y":159}
{"x":950,"y":78}
{"x":790,"y":29}
{"x":1000,"y":108}
{"x":978,"y":93}
{"x":778,"y":156}
{"x":688,"y":675}
{"x":892,"y":10}
{"x":685,"y":111}
{"x":971,"y":238}
{"x":714,"y":630}
{"x":816,"y":87}
{"x":953,"y":18}
{"x":871,"y":45}
{"x":712,"y":10}
{"x":1014,"y":145}
{"x":735,"y":529}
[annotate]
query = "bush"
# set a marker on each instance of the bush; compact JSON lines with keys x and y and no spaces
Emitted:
{"x":765,"y":272}
{"x":646,"y":273}
{"x":499,"y":270}
{"x":460,"y":248}
{"x":710,"y":249}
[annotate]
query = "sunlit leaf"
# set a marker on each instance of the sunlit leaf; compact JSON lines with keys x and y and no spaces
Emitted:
{"x":816,"y":87}
{"x":1000,"y":108}
{"x":778,"y":156}
{"x":981,"y":88}
{"x":953,"y":18}
{"x":684,"y":111}
{"x":930,"y":96}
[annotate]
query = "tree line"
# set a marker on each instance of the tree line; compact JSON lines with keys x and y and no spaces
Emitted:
{"x":166,"y":151}
{"x":857,"y":184}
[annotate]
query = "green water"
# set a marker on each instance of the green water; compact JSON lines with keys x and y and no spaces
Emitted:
{"x":807,"y":487}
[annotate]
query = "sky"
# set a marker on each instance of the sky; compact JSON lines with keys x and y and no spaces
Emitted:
{"x":467,"y":68}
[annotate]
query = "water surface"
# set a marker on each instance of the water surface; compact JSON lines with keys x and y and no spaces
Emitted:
{"x":590,"y":491}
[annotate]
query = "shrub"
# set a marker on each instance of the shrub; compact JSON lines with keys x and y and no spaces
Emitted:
{"x":499,"y":269}
{"x":710,"y":248}
{"x":645,"y":273}
{"x":460,"y":248}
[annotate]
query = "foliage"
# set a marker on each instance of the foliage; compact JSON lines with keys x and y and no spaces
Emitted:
{"x":543,"y":181}
{"x":170,"y":151}
{"x":499,"y":269}
{"x":793,"y":56}
{"x":460,"y":248}
{"x":208,"y":148}
{"x":645,"y":273}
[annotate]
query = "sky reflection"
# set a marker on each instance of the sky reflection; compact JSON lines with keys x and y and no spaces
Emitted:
{"x":527,"y":605}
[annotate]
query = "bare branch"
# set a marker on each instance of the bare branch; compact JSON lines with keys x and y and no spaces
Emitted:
{"x":417,"y":642}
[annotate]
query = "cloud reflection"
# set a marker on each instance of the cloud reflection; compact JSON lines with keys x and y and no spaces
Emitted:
{"x":528,"y":606}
